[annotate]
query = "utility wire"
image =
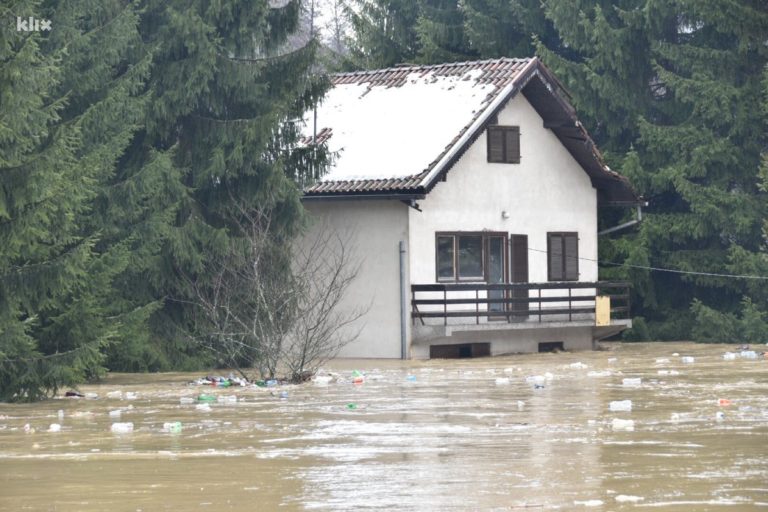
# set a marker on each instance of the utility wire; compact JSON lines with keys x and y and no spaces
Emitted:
{"x":670,"y":270}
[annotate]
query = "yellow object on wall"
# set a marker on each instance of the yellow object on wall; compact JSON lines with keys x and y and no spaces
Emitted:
{"x":602,"y":310}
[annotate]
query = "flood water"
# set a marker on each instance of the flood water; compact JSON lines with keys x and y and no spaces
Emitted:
{"x":528,"y":432}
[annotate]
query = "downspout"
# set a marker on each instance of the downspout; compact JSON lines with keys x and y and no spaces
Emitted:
{"x":638,"y":218}
{"x":403,"y":354}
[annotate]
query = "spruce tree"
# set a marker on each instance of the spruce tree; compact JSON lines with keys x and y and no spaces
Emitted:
{"x":506,"y":28}
{"x":671,"y":90}
{"x":219,"y":129}
{"x":66,"y":117}
{"x":442,"y":33}
{"x":384,"y":32}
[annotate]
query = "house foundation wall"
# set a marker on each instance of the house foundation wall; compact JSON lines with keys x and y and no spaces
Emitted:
{"x":513,"y":341}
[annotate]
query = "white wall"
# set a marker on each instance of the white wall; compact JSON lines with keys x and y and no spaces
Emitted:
{"x":547,"y":191}
{"x":375,"y":229}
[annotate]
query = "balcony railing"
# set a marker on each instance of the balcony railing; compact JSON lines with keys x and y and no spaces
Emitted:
{"x":518,"y":302}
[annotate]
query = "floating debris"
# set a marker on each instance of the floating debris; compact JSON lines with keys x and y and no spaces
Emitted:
{"x":620,"y":424}
{"x":122,"y":428}
{"x":173,"y":427}
{"x":621,"y":405}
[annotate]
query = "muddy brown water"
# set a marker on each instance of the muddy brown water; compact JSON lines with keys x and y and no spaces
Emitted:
{"x":430,"y":435}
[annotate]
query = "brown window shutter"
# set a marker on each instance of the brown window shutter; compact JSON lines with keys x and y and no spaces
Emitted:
{"x":495,"y":144}
{"x":555,"y":257}
{"x":512,"y":144}
{"x":571,"y":246}
{"x":518,"y":258}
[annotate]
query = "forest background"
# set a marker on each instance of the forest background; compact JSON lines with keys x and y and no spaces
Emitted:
{"x":131,"y":132}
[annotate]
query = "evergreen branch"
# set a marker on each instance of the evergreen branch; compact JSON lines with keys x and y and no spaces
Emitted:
{"x":42,"y":357}
{"x":268,"y":58}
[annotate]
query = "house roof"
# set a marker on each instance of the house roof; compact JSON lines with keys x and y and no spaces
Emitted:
{"x":396,"y":132}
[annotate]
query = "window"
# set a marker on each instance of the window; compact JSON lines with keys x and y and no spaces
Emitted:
{"x":563,"y":256}
{"x":504,"y":144}
{"x":470,"y":256}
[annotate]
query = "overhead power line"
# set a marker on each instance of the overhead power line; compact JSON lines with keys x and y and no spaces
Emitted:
{"x":669,"y":270}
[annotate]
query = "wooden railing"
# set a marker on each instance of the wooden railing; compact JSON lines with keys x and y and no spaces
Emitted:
{"x":516,"y":302}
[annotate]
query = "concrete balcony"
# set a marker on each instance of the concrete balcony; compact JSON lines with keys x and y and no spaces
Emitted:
{"x":519,"y":317}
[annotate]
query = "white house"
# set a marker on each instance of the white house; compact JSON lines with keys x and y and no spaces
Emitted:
{"x":471,"y":190}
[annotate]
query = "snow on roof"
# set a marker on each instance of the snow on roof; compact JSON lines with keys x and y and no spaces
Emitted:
{"x":396,"y":130}
{"x":395,"y":123}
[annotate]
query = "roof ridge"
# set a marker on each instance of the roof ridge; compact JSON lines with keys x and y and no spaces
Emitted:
{"x":401,"y":67}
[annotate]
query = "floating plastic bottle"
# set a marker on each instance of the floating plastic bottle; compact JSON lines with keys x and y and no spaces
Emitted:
{"x":206,"y":398}
{"x":729,"y":356}
{"x":620,"y":424}
{"x":621,"y":405}
{"x":502,"y":381}
{"x":174,"y":427}
{"x":203,"y":407}
{"x":115,"y":394}
{"x":122,"y":428}
{"x":632,"y":383}
{"x":351,"y":406}
{"x":748,"y":354}
{"x":688,"y":359}
{"x":54,"y":427}
{"x":411,"y":378}
{"x":115,"y":414}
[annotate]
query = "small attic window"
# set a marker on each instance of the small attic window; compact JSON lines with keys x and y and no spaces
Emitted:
{"x":504,"y":144}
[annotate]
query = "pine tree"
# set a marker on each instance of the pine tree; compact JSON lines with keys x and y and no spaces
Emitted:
{"x":670,"y":89}
{"x":442,"y":34}
{"x":384,"y":32}
{"x":67,"y":95}
{"x":505,"y":28}
{"x":219,"y":128}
